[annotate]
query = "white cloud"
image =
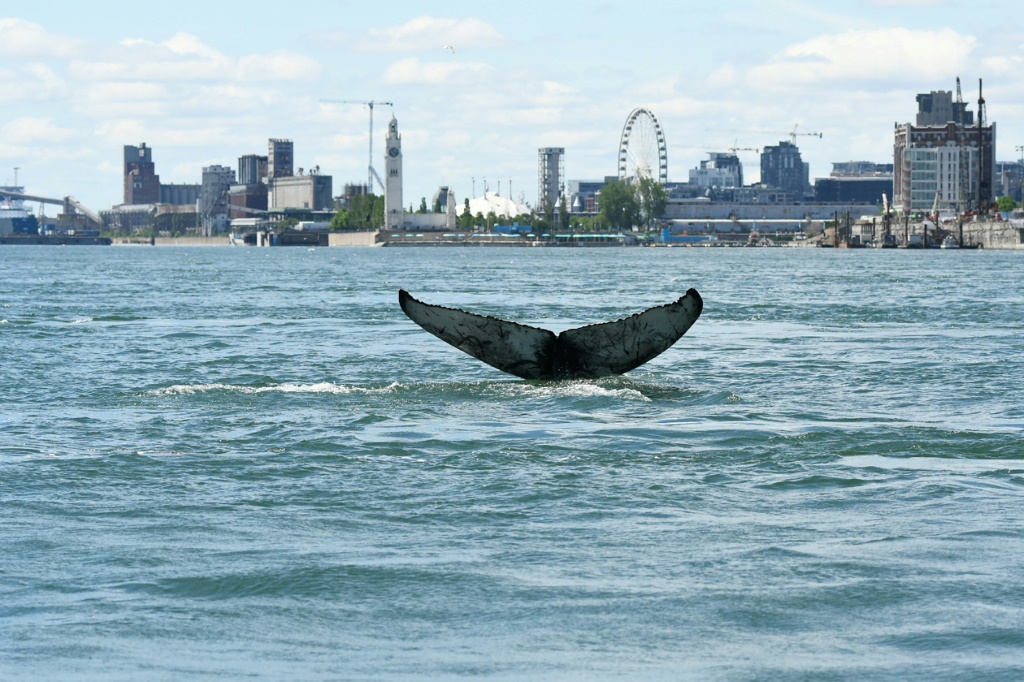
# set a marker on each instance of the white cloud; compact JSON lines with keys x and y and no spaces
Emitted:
{"x":429,"y":33}
{"x":414,"y":72}
{"x":1003,"y":65}
{"x":19,"y":38}
{"x":28,"y":130}
{"x":113,"y":98}
{"x":883,"y":55}
{"x":282,"y":66}
{"x":31,"y":82}
{"x":183,"y":57}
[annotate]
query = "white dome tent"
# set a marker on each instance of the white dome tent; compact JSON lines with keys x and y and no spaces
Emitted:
{"x":502,"y":207}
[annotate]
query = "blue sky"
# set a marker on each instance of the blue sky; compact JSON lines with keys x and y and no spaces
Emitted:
{"x":203,"y":83}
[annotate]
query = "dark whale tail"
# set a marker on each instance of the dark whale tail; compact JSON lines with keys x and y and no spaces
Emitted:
{"x":596,"y":350}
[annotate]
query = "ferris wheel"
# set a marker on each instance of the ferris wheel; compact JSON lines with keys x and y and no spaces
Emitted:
{"x":642,"y":149}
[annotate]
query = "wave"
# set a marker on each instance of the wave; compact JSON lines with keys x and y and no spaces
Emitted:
{"x":322,"y":387}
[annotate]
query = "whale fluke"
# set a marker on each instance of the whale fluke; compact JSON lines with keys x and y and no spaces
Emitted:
{"x":589,"y":352}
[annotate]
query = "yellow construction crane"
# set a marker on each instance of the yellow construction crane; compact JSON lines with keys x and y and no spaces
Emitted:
{"x":371,"y":173}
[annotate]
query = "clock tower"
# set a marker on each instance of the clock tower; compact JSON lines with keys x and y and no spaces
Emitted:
{"x":394,"y":214}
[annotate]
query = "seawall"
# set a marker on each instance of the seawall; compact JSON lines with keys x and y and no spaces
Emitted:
{"x":1004,"y":234}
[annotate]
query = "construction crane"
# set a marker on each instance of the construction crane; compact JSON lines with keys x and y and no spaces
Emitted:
{"x":371,"y":174}
{"x":791,"y":133}
{"x":984,"y":163}
{"x":963,"y":179}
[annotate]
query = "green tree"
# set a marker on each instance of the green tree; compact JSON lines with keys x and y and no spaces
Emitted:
{"x":619,"y":205}
{"x":1006,"y":204}
{"x":423,"y":205}
{"x":653,"y":199}
{"x":365,"y":212}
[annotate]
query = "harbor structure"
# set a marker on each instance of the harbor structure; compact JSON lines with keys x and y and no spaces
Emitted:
{"x":179,"y":194}
{"x":213,"y":204}
{"x":250,"y":196}
{"x":141,"y":183}
{"x":280,"y":158}
{"x":945,"y":160}
{"x":312,"y":191}
{"x":252,"y":169}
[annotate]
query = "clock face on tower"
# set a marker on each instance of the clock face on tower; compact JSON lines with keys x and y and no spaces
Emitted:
{"x":393,"y":152}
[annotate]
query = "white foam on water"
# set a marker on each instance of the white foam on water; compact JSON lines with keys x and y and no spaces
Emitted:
{"x":581,"y":389}
{"x":322,"y":387}
{"x":949,"y":464}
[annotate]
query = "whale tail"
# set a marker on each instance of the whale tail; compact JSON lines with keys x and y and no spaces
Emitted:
{"x":589,"y":352}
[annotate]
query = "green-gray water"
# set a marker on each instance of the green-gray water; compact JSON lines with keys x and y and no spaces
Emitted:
{"x":248,"y":464}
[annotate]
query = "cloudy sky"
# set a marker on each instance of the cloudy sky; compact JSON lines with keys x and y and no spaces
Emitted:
{"x":203,"y":83}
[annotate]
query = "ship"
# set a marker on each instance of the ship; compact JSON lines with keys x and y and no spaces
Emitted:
{"x":18,"y":226}
{"x":14,"y":219}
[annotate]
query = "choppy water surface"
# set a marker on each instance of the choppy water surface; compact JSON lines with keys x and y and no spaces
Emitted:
{"x":247,"y":463}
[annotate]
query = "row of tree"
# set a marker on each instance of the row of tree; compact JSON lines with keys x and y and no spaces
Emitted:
{"x":623,"y":205}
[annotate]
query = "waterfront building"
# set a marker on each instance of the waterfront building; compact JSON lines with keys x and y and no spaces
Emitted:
{"x":945,"y":164}
{"x":718,"y":170}
{"x":313,"y":192}
{"x":247,"y":200}
{"x":861,"y":169}
{"x":141,"y":183}
{"x":280,"y":156}
{"x":783,"y":168}
{"x":253,"y":168}
{"x":179,"y":194}
{"x":582,"y":194}
{"x":550,"y":177}
{"x":866,"y":190}
{"x":212,"y":205}
{"x":250,"y":196}
{"x":857,"y":181}
{"x":1009,"y":179}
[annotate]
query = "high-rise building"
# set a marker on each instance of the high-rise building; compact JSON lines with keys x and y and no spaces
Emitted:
{"x":719,"y":170}
{"x":946,"y":161}
{"x":782,"y":168}
{"x":280,"y":158}
{"x":550,"y":177}
{"x":141,"y":183}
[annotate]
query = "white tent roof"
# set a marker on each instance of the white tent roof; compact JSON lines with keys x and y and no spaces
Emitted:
{"x":491,"y":201}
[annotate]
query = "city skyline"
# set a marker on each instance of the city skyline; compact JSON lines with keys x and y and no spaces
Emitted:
{"x":478,"y":91}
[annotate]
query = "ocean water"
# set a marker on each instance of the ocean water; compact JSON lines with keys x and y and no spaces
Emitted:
{"x":247,"y":463}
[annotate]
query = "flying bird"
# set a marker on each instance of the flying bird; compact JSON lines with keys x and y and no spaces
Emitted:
{"x":450,"y":48}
